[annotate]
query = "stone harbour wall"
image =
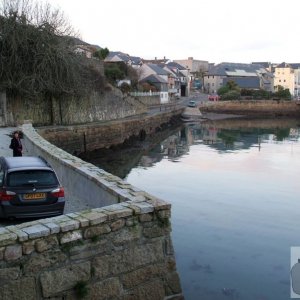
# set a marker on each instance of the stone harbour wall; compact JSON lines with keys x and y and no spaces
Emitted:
{"x":100,"y":135}
{"x":255,"y":108}
{"x":120,"y":251}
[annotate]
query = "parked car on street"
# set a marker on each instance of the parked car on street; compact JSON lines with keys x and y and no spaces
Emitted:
{"x":192,"y":103}
{"x":213,"y":97}
{"x":29,"y":188}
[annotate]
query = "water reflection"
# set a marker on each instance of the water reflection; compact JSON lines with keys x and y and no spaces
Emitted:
{"x":234,"y":189}
{"x":223,"y":136}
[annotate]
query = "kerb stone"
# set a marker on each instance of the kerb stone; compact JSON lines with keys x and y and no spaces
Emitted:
{"x":36,"y":231}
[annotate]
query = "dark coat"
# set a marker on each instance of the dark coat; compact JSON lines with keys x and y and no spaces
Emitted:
{"x":16,"y":146}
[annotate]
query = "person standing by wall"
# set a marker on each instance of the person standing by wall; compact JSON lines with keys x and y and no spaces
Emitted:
{"x":16,"y":145}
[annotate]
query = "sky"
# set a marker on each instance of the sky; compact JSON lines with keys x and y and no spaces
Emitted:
{"x":213,"y":30}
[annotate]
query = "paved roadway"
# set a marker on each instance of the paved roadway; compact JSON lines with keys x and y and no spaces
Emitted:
{"x":73,"y":203}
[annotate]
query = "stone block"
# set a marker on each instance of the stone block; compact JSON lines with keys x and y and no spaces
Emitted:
{"x":38,"y":262}
{"x":63,"y":279}
{"x":46,"y":244}
{"x":143,"y":207}
{"x":159,"y":204}
{"x":107,"y":289}
{"x":2,"y":249}
{"x":128,"y":259}
{"x":36,"y":231}
{"x":28,"y":247}
{"x":169,"y":249}
{"x":7,"y":238}
{"x":69,"y":225}
{"x":94,"y":217}
{"x":71,"y":237}
{"x":164,"y":214}
{"x":83,"y":221}
{"x":8,"y":274}
{"x":89,"y":250}
{"x":22,"y":236}
{"x":12,"y":290}
{"x":117,"y":211}
{"x":117,"y":224}
{"x":153,"y":290}
{"x":54,"y":228}
{"x":127,"y":234}
{"x":96,"y":231}
{"x":173,"y":283}
{"x":154,"y":231}
{"x":12,"y":252}
{"x":132,"y":221}
{"x":146,"y":218}
{"x":143,"y":275}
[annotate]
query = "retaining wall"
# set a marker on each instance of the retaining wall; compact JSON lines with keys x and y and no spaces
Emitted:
{"x":121,"y":251}
{"x":108,"y":105}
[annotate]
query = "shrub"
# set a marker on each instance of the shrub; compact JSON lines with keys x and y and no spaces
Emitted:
{"x":231,"y":95}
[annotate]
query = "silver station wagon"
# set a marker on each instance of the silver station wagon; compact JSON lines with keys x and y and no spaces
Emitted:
{"x":29,"y":188}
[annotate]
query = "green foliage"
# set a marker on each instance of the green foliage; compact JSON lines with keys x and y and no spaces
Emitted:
{"x":223,"y":90}
{"x":230,"y":91}
{"x":101,"y":53}
{"x":231,"y":95}
{"x":113,"y":72}
{"x":283,"y":93}
{"x":256,"y":94}
{"x":229,"y":137}
{"x":81,"y":289}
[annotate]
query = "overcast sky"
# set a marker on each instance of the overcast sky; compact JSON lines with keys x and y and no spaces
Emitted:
{"x":213,"y":30}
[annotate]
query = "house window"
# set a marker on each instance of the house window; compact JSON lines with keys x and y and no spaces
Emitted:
{"x":213,"y":76}
{"x":279,"y":80}
{"x":208,"y":77}
{"x":284,"y":80}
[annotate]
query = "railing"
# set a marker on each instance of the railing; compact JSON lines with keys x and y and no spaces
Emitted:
{"x":144,"y":94}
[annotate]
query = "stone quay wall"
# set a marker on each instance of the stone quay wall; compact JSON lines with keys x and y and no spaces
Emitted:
{"x":79,"y":138}
{"x":121,"y":251}
{"x":255,"y":108}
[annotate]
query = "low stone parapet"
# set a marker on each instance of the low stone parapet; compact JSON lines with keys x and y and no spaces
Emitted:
{"x":120,"y":251}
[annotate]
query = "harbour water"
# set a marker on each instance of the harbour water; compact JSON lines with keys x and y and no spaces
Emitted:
{"x":235,"y":194}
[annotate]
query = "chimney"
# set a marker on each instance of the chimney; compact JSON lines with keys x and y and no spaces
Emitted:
{"x":190,"y":58}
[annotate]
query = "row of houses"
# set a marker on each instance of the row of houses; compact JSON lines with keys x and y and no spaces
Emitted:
{"x":258,"y":75}
{"x":177,"y":78}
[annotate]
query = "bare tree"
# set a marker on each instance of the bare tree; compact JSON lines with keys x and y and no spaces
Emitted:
{"x":36,"y":54}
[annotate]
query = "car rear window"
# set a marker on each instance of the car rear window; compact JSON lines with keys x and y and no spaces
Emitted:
{"x":31,"y":178}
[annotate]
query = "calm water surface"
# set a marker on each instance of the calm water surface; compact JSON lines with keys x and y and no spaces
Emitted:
{"x":235,"y":197}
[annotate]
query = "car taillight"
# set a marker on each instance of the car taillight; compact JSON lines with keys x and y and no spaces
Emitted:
{"x":7,"y":195}
{"x":59,"y":192}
